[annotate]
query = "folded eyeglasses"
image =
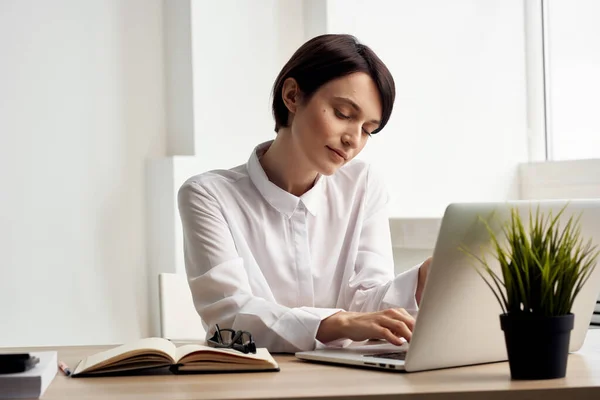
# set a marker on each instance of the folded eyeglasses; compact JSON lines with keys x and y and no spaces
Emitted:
{"x":230,"y":339}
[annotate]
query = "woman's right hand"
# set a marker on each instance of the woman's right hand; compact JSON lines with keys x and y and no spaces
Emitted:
{"x":391,"y":325}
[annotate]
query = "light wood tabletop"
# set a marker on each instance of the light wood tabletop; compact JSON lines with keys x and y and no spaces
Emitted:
{"x":304,"y":380}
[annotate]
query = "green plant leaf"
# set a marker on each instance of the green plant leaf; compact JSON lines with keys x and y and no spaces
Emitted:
{"x":543,"y":265}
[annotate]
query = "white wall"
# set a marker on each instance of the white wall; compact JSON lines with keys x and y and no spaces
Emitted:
{"x":179,"y":88}
{"x":81,"y":108}
{"x":458,"y":131}
{"x":238,"y":49}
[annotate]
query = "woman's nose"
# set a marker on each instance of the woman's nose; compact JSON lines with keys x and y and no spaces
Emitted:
{"x":351,"y":137}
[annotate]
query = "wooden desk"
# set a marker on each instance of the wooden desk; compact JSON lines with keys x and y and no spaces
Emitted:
{"x":303,"y":380}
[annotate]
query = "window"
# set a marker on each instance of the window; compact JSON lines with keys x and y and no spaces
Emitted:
{"x":571,"y":65}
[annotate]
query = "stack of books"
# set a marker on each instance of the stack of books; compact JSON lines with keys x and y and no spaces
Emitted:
{"x":31,"y":383}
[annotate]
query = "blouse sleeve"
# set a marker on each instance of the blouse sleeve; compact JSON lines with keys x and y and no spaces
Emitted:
{"x":373,"y":286}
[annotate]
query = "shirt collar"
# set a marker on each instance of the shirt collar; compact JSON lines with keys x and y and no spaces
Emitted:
{"x":284,"y":202}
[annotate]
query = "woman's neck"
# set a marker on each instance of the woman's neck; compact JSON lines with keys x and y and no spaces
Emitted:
{"x":286,"y":166}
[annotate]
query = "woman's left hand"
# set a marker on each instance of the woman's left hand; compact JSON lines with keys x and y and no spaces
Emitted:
{"x":423,"y":272}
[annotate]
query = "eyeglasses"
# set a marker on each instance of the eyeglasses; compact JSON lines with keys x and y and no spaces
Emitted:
{"x":230,"y":339}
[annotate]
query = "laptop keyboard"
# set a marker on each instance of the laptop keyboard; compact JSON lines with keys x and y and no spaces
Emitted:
{"x":397,"y":355}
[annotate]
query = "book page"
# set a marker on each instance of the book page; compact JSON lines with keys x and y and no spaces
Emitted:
{"x":158,"y":350}
{"x":197,"y":353}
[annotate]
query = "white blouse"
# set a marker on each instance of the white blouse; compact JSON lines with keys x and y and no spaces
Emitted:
{"x":263,"y":260}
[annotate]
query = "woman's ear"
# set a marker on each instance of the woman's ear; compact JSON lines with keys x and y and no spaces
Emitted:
{"x":291,"y":94}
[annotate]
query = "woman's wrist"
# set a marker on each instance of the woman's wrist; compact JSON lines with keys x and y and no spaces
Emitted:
{"x":332,"y":327}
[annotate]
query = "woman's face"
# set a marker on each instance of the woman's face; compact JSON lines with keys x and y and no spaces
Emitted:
{"x":333,"y":126}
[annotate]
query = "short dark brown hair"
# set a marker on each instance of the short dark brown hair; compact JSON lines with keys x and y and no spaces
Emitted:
{"x":328,"y":57}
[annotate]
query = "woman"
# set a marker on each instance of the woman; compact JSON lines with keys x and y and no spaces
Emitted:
{"x":294,"y":246}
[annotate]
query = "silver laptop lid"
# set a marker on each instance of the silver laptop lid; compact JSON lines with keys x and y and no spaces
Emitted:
{"x":458,"y":322}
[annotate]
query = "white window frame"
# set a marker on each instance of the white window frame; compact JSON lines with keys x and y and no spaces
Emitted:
{"x":537,"y":93}
{"x":542,"y":177}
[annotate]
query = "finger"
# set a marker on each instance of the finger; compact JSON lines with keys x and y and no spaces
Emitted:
{"x":398,"y":328}
{"x":410,"y":320}
{"x":402,"y":315}
{"x":386,"y":334}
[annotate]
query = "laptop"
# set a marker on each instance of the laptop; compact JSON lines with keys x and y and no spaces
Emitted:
{"x":458,"y":321}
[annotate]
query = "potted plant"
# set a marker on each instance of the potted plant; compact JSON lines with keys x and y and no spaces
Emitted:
{"x":542,"y":269}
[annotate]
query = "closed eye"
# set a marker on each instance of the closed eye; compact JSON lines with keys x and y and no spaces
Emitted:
{"x":340,"y":115}
{"x":343,"y":116}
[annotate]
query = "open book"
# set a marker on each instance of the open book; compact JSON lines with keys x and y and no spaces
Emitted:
{"x":158,"y":352}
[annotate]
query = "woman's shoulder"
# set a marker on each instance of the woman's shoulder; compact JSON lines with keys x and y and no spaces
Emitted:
{"x":215,"y":180}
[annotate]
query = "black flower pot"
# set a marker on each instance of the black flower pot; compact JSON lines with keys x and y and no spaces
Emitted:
{"x":537,"y":346}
